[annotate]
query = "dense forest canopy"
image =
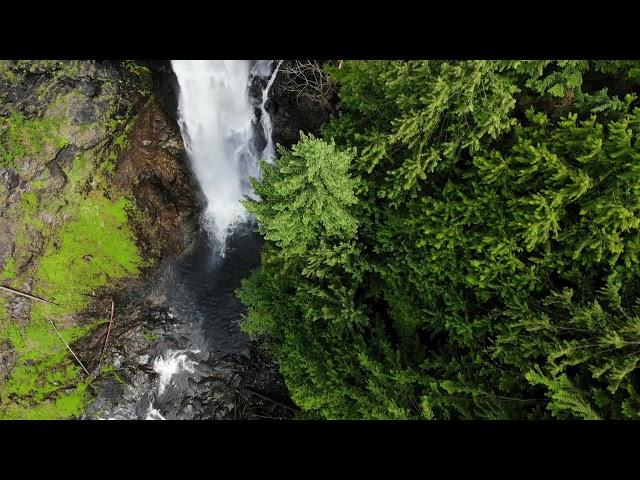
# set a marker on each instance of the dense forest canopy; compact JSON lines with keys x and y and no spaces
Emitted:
{"x":462,"y":242}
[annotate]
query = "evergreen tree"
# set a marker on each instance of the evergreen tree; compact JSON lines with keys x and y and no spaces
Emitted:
{"x":462,"y":244}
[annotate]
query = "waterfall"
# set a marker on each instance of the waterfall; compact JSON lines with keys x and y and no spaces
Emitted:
{"x":265,"y":119}
{"x":216,"y":118}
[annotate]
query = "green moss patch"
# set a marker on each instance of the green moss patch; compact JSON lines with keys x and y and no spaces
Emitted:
{"x":21,"y":137}
{"x":65,"y":405}
{"x":90,"y":251}
{"x":88,"y":246}
{"x":9,"y":270}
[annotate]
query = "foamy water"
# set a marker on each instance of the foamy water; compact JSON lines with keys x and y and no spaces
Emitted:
{"x":170,"y":363}
{"x":153,"y":413}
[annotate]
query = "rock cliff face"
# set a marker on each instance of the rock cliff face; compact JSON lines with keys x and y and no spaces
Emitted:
{"x":296,"y":106}
{"x":154,"y":170}
{"x":94,"y":191}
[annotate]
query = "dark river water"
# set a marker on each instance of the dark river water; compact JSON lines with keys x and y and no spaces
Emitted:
{"x":201,"y":287}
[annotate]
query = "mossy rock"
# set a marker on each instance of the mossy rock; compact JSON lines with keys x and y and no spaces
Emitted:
{"x":67,"y":227}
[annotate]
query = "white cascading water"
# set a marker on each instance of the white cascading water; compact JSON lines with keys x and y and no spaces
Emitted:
{"x":153,"y":413}
{"x":216,"y":123}
{"x":265,"y":119}
{"x":171,"y":363}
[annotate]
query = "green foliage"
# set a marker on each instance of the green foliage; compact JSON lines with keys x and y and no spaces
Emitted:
{"x":554,"y":78}
{"x":314,"y":176}
{"x":136,"y":68}
{"x":149,"y":335}
{"x":490,"y":266}
{"x":142,"y":72}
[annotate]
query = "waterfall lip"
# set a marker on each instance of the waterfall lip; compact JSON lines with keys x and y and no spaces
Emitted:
{"x":262,"y":68}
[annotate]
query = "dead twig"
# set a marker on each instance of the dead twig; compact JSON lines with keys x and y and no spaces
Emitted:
{"x":106,"y":338}
{"x":307,"y":80}
{"x":264,"y":397}
{"x":23,"y":294}
{"x":67,"y":345}
{"x":268,"y":418}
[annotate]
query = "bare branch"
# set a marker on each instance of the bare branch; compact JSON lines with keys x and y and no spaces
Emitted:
{"x":307,"y":81}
